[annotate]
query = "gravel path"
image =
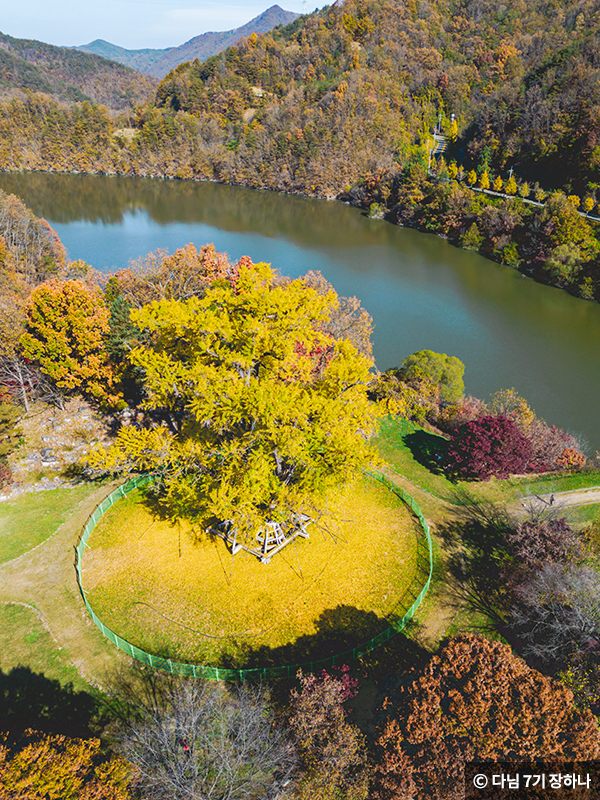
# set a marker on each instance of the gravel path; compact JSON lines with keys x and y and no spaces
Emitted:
{"x":574,"y":497}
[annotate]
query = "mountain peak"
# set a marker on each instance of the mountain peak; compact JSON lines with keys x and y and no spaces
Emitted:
{"x":160,"y":62}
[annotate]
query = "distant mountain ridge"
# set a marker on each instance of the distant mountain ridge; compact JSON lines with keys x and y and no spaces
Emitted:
{"x":65,"y":74}
{"x":161,"y":62}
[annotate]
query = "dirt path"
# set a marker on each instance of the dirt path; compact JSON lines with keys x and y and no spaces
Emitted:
{"x":558,"y":500}
{"x":45,"y":579}
{"x":439,"y":609}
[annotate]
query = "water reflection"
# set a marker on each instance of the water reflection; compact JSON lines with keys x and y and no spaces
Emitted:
{"x":422,"y":292}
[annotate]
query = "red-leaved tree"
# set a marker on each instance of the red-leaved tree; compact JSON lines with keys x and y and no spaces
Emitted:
{"x":488,"y":446}
{"x":331,"y":748}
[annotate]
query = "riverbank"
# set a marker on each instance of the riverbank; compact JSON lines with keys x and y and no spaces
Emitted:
{"x":550,"y":242}
{"x":553,"y":243}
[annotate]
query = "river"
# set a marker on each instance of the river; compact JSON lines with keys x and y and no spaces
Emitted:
{"x":422,"y":292}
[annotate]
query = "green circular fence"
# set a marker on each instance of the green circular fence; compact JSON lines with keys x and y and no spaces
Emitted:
{"x":267,"y":673}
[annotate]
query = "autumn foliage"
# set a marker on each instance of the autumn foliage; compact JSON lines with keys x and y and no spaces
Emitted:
{"x":474,"y":701}
{"x":489,"y":446}
{"x":534,"y":543}
{"x":177,"y":276}
{"x":30,"y":249}
{"x":332,"y":749}
{"x":66,"y":323}
{"x":263,"y":411}
{"x":56,"y":767}
{"x":571,"y":459}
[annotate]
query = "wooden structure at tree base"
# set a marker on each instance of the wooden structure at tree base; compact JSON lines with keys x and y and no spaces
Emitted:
{"x":257,"y":673}
{"x":271,"y":539}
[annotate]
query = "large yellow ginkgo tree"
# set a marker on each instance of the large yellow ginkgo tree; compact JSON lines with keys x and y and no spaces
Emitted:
{"x":264,"y":410}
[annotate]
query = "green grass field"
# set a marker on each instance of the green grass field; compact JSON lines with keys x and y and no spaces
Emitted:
{"x":409,"y":450}
{"x":34,"y":516}
{"x":24,"y":641}
{"x":169,"y":593}
{"x":43,"y":625}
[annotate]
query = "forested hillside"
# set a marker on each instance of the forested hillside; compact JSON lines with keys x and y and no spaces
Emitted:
{"x":521,"y":80}
{"x":356,"y":87}
{"x":344,"y":102}
{"x":69,"y":75}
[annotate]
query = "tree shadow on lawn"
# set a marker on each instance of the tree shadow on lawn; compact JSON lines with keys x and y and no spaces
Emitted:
{"x":30,"y":700}
{"x":338,"y":631}
{"x":428,"y":450}
{"x":152,"y":501}
{"x":476,"y":564}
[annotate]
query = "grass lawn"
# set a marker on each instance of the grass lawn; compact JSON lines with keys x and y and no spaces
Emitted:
{"x":41,"y":585}
{"x":410,"y":450}
{"x":25,"y":642}
{"x":168,"y":592}
{"x":543,"y":484}
{"x":584,"y":515}
{"x":34,"y":516}
{"x":397,"y":448}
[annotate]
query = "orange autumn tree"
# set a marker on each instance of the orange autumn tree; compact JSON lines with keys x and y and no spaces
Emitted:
{"x":183,"y":274}
{"x":571,"y":459}
{"x":66,"y":322}
{"x":475,"y":701}
{"x":56,"y":767}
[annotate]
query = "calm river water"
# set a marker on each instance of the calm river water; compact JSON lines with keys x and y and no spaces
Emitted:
{"x":422,"y":292}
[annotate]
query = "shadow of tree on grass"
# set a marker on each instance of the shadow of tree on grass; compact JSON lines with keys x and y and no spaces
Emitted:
{"x":476,"y":565}
{"x":30,"y":700}
{"x":338,"y":631}
{"x":428,"y":450}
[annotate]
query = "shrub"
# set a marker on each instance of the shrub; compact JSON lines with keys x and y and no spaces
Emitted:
{"x":488,"y":446}
{"x":446,"y":371}
{"x":549,"y":443}
{"x":538,"y":542}
{"x":415,"y":401}
{"x":571,"y":459}
{"x":451,"y":417}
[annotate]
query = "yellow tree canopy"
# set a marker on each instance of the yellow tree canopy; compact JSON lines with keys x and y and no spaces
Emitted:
{"x":265,"y":409}
{"x":65,"y":326}
{"x":57,"y":767}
